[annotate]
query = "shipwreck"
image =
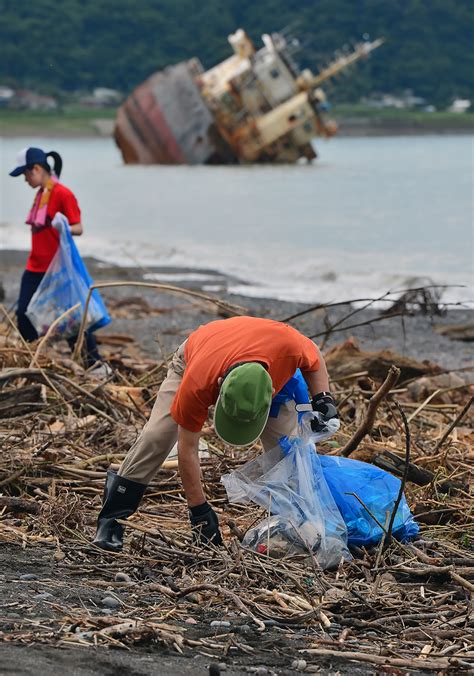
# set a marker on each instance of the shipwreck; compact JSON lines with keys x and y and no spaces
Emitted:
{"x":255,"y":106}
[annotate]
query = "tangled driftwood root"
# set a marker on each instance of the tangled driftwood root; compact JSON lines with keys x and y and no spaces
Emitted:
{"x":403,"y":606}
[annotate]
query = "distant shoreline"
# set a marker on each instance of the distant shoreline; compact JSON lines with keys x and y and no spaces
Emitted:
{"x":353,"y":121}
{"x":360,"y":127}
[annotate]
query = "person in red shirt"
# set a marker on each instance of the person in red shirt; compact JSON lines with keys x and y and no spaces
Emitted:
{"x":236,"y":365}
{"x":52,"y":198}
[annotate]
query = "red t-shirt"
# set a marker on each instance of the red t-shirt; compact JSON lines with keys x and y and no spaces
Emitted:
{"x":45,"y":242}
{"x":214,"y":347}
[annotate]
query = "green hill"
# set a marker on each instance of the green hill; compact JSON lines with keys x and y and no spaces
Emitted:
{"x":79,"y":44}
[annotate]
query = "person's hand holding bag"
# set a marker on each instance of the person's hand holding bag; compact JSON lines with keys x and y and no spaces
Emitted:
{"x":59,"y":222}
{"x":324,"y":416}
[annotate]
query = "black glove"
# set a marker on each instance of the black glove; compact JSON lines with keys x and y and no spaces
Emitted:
{"x":205,"y":525}
{"x":324,"y":408}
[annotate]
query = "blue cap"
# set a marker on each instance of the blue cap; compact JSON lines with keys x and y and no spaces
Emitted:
{"x":26,"y":158}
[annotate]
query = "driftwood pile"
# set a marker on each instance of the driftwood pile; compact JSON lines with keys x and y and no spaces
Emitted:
{"x":394,"y":607}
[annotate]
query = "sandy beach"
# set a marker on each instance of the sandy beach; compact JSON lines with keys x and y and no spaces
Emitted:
{"x":154,"y":323}
{"x":163,"y":320}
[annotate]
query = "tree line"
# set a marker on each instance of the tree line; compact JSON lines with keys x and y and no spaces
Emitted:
{"x":76,"y":45}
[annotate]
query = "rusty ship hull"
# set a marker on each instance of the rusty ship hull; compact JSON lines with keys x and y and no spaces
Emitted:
{"x":166,"y":121}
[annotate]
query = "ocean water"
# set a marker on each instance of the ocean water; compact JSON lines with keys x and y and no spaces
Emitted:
{"x":371,"y":215}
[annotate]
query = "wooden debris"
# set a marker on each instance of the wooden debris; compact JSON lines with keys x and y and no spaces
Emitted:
{"x":463,"y":332}
{"x":425,"y":300}
{"x":398,"y":607}
{"x":347,"y":358}
{"x":367,"y":424}
{"x":18,"y":505}
{"x":127,"y":394}
{"x":394,"y":464}
{"x":114,"y":339}
{"x":20,"y":401}
{"x":443,"y":387}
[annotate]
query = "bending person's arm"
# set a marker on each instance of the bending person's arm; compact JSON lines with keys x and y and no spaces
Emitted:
{"x":317,"y":381}
{"x":203,"y":519}
{"x":325,"y":417}
{"x":189,"y":466}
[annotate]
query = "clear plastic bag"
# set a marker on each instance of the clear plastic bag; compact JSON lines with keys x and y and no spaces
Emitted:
{"x":291,"y":486}
{"x":376,"y":488}
{"x":66,"y":283}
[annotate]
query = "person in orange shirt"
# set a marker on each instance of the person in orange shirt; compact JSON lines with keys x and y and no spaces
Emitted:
{"x":238,"y":365}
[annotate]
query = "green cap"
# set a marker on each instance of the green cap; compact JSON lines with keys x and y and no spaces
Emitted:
{"x":242,"y":409}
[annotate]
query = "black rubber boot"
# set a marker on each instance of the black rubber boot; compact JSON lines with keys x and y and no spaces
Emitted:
{"x":121,"y":499}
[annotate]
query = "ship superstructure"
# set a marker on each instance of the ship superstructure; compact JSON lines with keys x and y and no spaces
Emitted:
{"x":255,"y":106}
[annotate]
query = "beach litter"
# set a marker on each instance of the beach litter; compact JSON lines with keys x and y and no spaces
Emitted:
{"x":393,"y":606}
{"x":289,"y":482}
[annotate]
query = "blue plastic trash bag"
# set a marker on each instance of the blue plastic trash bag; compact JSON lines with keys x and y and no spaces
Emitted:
{"x":304,"y":516}
{"x":66,"y":283}
{"x":377,"y":489}
{"x":295,"y":390}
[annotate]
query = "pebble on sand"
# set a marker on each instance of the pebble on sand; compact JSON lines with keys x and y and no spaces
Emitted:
{"x":299,"y":665}
{"x":110,"y":602}
{"x":122,"y":577}
{"x":43,"y":596}
{"x":216,"y":669}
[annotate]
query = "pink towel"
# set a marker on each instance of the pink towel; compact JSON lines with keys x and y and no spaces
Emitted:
{"x":39,"y":211}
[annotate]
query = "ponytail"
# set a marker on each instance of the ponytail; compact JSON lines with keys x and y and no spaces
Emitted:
{"x":58,"y":163}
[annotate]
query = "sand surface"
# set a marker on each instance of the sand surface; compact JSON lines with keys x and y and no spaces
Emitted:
{"x":157,"y":331}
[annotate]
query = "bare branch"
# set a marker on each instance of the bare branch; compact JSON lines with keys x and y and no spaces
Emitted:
{"x":368,"y":422}
{"x":405,"y":473}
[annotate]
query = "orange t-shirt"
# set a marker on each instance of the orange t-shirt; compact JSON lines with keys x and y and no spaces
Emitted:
{"x":215,"y":347}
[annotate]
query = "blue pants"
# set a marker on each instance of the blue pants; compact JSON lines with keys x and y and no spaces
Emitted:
{"x":29,"y":283}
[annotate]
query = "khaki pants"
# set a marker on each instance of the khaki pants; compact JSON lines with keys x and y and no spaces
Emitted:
{"x":161,"y":432}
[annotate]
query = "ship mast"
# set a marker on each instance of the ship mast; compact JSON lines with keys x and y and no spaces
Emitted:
{"x":361,"y":50}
